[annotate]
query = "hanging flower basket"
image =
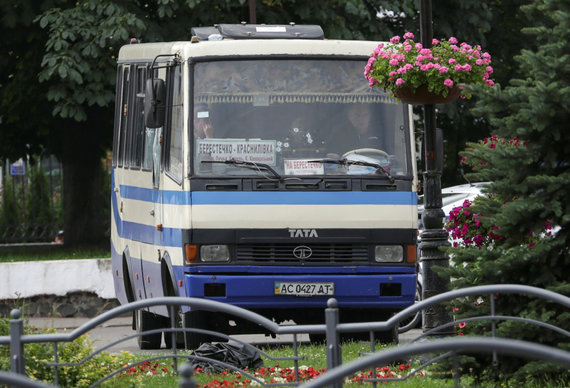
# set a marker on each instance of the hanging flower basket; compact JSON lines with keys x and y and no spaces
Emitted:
{"x":422,"y":96}
{"x":436,"y":75}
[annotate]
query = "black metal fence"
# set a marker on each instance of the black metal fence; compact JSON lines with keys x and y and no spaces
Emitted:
{"x":336,"y":372}
{"x":21,"y":182}
{"x":29,"y":233}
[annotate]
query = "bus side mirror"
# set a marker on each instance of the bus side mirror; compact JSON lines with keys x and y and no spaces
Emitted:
{"x":154,"y":103}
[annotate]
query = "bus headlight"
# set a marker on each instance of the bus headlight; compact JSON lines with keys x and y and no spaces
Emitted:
{"x":214,"y":253}
{"x":389,"y":253}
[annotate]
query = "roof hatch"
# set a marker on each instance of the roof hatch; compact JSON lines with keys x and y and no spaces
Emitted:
{"x":258,"y":31}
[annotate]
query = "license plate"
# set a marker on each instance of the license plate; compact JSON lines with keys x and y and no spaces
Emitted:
{"x":304,"y":288}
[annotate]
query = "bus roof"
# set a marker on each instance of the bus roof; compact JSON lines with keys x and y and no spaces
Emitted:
{"x":227,"y":48}
{"x":259,"y":44}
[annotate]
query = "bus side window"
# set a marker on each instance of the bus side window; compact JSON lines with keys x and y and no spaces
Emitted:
{"x":118,"y":115}
{"x":138,"y":129}
{"x":123,"y":113}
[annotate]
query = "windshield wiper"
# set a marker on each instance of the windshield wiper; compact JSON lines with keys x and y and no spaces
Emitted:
{"x":347,"y":162}
{"x":246,"y":164}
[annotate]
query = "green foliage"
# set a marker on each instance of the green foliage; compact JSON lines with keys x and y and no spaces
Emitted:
{"x":38,"y":202}
{"x":528,"y":203}
{"x":80,"y":54}
{"x":38,"y":355}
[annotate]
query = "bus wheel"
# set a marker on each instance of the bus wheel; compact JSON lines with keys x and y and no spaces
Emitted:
{"x":179,"y":337}
{"x":415,"y":320}
{"x":145,"y":321}
{"x":194,"y":320}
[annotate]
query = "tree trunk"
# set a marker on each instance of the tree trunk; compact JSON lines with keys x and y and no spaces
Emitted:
{"x":83,"y":185}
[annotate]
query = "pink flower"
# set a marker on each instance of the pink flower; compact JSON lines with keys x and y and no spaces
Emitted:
{"x":462,"y":325}
{"x":407,"y":47}
{"x":452,"y":61}
{"x":443,"y":69}
{"x":400,"y":81}
{"x":408,"y":35}
{"x":490,"y":82}
{"x":448,"y":82}
{"x":395,"y":39}
{"x":489,"y":69}
{"x":453,"y":40}
{"x":393,"y":62}
{"x":434,"y":41}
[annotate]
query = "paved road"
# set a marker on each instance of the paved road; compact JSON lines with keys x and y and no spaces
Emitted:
{"x":120,"y":328}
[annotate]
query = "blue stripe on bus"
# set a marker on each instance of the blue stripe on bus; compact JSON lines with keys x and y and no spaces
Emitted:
{"x":147,"y":234}
{"x":166,"y":197}
{"x":169,"y":197}
{"x":303,"y":198}
{"x":173,"y":236}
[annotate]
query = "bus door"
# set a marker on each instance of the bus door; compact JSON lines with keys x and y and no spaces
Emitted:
{"x":151,"y":251}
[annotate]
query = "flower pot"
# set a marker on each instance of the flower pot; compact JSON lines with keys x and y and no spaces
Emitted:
{"x":422,"y":96}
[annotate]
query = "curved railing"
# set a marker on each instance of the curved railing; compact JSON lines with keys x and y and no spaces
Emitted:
{"x":331,"y":329}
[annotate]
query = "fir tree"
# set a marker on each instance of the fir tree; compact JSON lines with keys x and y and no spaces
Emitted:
{"x":9,"y":212}
{"x":39,"y":213}
{"x":519,"y":232}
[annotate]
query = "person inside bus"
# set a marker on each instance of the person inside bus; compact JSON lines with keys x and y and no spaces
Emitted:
{"x":355,"y":130}
{"x":203,"y":128}
{"x":360,"y":129}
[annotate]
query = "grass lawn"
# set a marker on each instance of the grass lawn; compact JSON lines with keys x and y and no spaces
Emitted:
{"x":159,"y":373}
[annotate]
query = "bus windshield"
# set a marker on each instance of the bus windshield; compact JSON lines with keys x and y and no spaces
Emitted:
{"x":302,"y":117}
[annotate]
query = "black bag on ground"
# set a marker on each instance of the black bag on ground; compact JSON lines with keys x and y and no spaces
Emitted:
{"x":237,"y":355}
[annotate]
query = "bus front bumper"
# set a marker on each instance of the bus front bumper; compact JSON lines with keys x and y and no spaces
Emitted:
{"x":390,"y":291}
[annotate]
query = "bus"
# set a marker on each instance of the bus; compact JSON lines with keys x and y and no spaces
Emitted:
{"x":253,"y":165}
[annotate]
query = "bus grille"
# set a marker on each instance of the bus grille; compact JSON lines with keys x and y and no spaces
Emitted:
{"x":297,"y":253}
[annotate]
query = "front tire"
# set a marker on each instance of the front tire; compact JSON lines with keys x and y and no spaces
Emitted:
{"x":415,"y":320}
{"x":195,"y":320}
{"x":145,"y":321}
{"x":179,"y":337}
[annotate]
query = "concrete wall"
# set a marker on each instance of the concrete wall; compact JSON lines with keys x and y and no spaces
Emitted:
{"x":63,"y":288}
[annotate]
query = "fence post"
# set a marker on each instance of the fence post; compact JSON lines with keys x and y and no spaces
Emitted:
{"x":186,"y":373}
{"x":17,"y":361}
{"x":334,"y":355}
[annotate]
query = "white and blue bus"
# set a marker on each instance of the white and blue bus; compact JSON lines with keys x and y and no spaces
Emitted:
{"x":253,"y":165}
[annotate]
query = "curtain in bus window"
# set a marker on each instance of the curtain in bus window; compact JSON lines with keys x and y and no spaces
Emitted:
{"x":156,"y":150}
{"x":138,"y":125}
{"x":148,"y":148}
{"x":177,"y":124}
